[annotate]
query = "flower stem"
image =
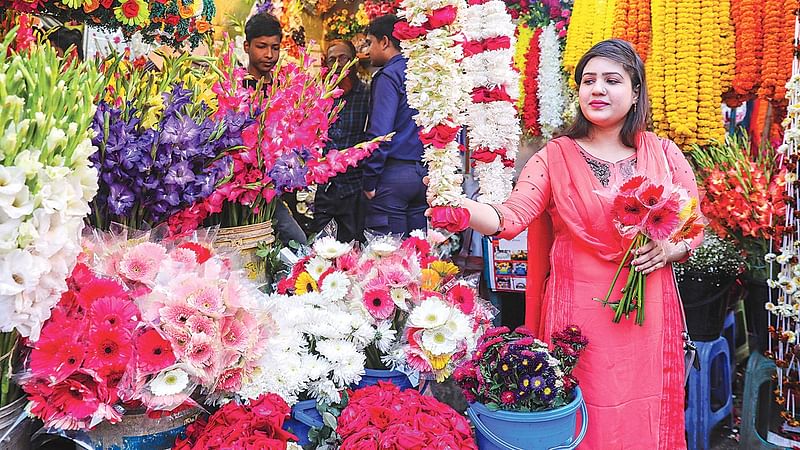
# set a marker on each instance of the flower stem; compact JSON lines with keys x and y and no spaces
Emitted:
{"x":619,"y":269}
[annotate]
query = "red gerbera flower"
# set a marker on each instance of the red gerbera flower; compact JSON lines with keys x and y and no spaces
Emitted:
{"x":155,"y":352}
{"x":56,"y":359}
{"x":628,"y":210}
{"x":78,"y":397}
{"x":652,"y":196}
{"x":99,"y":288}
{"x":632,"y":184}
{"x":109,"y":349}
{"x":421,"y":246}
{"x":202,"y":252}
{"x":463,"y":297}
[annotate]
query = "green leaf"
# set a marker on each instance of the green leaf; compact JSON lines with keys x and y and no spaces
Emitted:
{"x":329,"y":420}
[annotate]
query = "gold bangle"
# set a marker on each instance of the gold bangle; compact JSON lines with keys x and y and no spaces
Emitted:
{"x":500,"y":220}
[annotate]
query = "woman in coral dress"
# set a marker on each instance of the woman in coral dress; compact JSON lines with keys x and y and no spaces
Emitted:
{"x":631,"y":376}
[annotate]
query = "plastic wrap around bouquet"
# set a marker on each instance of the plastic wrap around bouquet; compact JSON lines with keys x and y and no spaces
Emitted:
{"x":147,"y":325}
{"x":523,"y":394}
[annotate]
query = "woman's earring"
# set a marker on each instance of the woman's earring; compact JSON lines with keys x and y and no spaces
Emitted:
{"x":634,"y":107}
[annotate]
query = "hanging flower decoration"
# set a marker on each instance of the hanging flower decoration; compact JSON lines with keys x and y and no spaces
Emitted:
{"x":524,"y":35}
{"x":493,"y":128}
{"x":632,"y":23}
{"x":429,"y":37}
{"x":591,"y":22}
{"x":779,"y":25}
{"x":530,"y":105}
{"x":747,"y":17}
{"x":551,"y":83}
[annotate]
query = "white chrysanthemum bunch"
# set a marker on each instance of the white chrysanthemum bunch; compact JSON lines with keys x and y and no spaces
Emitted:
{"x":437,"y":89}
{"x":551,"y":83}
{"x":46,"y":180}
{"x":493,"y":126}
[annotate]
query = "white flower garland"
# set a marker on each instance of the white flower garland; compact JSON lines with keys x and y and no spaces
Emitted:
{"x":437,"y":89}
{"x":551,"y":83}
{"x":493,"y":125}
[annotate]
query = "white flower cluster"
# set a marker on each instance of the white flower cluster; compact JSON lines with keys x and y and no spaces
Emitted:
{"x":551,"y":84}
{"x":42,"y":205}
{"x":492,"y":125}
{"x":437,"y":89}
{"x":318,"y":349}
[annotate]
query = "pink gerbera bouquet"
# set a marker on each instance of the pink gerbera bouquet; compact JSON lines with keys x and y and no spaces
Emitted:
{"x":644,"y":210}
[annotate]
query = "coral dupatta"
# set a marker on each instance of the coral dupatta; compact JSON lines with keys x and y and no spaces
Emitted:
{"x":584,"y":212}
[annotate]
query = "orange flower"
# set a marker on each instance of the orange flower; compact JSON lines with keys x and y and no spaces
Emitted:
{"x":90,"y":5}
{"x":186,"y":11}
{"x":430,"y":279}
{"x":203,"y":26}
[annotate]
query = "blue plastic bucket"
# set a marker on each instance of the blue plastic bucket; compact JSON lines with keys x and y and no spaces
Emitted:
{"x":304,"y":417}
{"x":509,"y":430}
{"x":139,"y":432}
{"x":396,"y":377}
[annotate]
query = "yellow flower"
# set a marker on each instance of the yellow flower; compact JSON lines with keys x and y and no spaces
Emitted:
{"x":439,"y":362}
{"x":133,"y":13}
{"x":361,"y":16}
{"x":524,"y":36}
{"x":74,"y":4}
{"x":444,"y":268}
{"x":152,"y":111}
{"x":305,"y":283}
{"x":430,"y":279}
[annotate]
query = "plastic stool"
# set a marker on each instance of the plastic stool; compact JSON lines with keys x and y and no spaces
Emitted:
{"x":729,"y":333}
{"x":742,"y":342}
{"x":757,"y":404}
{"x":701,"y":417}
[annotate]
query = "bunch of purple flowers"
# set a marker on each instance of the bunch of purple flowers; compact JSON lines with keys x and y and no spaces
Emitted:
{"x":148,"y":173}
{"x":512,"y":370}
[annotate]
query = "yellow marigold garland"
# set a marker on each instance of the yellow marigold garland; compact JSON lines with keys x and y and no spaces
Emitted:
{"x":579,"y":33}
{"x":608,"y":20}
{"x":709,"y":121}
{"x":727,"y":45}
{"x":524,"y":36}
{"x":655,"y":67}
{"x":670,"y":64}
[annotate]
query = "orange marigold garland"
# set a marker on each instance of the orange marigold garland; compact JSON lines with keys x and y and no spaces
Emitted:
{"x":777,"y":39}
{"x":530,"y":106}
{"x":749,"y":42}
{"x":643,"y":35}
{"x":622,"y":24}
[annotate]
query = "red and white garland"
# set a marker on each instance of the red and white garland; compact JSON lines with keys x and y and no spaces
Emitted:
{"x":493,"y":127}
{"x":437,"y":89}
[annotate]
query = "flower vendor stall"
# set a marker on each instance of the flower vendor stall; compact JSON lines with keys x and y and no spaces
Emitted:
{"x":144,"y":295}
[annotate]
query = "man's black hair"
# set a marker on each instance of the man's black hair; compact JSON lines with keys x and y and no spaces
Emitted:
{"x":262,"y":25}
{"x":64,"y":38}
{"x":384,"y":26}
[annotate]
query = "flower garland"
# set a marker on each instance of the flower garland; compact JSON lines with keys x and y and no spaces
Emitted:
{"x":747,"y":17}
{"x":493,"y":128}
{"x":708,"y":121}
{"x":632,"y":23}
{"x":591,"y":22}
{"x":551,"y":83}
{"x":655,"y":67}
{"x":777,"y":39}
{"x":524,"y":36}
{"x":428,"y":38}
{"x":530,"y":106}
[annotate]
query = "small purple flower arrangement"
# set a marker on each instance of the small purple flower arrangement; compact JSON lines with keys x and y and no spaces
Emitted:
{"x":512,"y":370}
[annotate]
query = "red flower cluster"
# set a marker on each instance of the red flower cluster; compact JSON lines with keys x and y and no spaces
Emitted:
{"x":437,"y":19}
{"x":377,"y":8}
{"x":743,"y":200}
{"x":450,"y":218}
{"x":257,"y":426}
{"x":92,"y":342}
{"x":382,"y":416}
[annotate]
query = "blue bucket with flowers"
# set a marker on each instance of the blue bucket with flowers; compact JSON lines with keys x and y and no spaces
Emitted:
{"x":526,"y":396}
{"x":373,"y":376}
{"x":305,"y":416}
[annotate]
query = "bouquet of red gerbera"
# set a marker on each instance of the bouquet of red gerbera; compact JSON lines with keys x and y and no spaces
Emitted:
{"x":257,"y":425}
{"x":644,"y":210}
{"x":383,"y":416}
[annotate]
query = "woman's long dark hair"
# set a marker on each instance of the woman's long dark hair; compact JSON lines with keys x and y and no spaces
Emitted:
{"x":636,"y":121}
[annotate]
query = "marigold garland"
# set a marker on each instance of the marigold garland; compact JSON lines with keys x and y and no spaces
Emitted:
{"x":777,"y":54}
{"x":579,"y":33}
{"x":655,"y":67}
{"x":707,"y":87}
{"x":524,"y":36}
{"x":530,"y":106}
{"x":749,"y":41}
{"x":632,"y":23}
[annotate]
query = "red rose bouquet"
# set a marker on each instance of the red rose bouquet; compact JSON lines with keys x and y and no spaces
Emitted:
{"x":643,"y":211}
{"x":257,"y":425}
{"x":382,"y":416}
{"x":514,"y":371}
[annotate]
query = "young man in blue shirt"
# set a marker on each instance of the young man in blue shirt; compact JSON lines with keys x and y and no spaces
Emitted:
{"x":393,"y":173}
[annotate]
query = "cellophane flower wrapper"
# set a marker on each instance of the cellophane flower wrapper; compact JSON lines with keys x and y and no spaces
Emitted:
{"x":646,"y":210}
{"x":46,"y":177}
{"x":217,"y":322}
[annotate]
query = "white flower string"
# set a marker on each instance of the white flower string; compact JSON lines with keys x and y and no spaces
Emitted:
{"x":492,"y":125}
{"x":786,"y":322}
{"x":437,"y":89}
{"x":550,"y":82}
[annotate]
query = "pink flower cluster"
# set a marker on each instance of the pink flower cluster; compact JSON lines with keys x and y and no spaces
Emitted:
{"x":283,"y":148}
{"x":382,"y":416}
{"x":93,"y":342}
